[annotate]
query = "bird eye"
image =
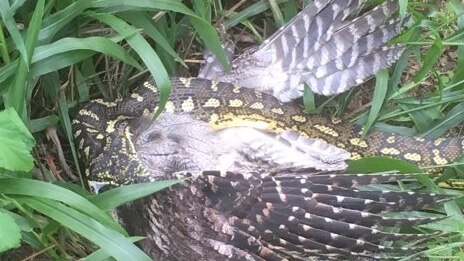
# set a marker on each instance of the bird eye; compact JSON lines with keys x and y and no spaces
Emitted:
{"x":174,"y":137}
{"x":153,"y":136}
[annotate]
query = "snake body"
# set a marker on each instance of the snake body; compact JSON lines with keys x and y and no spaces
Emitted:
{"x":101,"y":127}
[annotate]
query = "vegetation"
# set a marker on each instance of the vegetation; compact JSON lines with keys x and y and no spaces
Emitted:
{"x":57,"y":54}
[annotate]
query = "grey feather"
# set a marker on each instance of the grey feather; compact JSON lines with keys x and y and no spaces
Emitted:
{"x":325,"y":46}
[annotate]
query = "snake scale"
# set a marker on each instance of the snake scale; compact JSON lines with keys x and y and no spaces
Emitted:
{"x":100,"y":124}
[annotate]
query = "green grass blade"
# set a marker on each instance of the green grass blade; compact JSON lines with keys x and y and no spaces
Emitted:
{"x":59,"y":61}
{"x":430,"y":59}
{"x":16,"y":97}
{"x":452,"y":119}
{"x":144,"y":50}
{"x":252,"y":10}
{"x":102,"y":255}
{"x":204,"y":29}
{"x":380,"y":164}
{"x":144,"y":22}
{"x":403,"y":7}
{"x":109,"y":240}
{"x":96,"y":43}
{"x":115,"y":197}
{"x":67,"y":126}
{"x":6,"y":72}
{"x":55,"y":22}
{"x":309,"y":100}
{"x":83,"y":88}
{"x":276,"y":13}
{"x":36,"y":188}
{"x":10,"y":24}
{"x":167,"y":5}
{"x":211,"y":40}
{"x":380,"y":92}
{"x":458,"y":7}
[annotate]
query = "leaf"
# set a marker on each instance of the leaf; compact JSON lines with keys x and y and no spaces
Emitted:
{"x":430,"y":58}
{"x":452,"y":119}
{"x":458,"y":8}
{"x":36,"y":188}
{"x":16,"y":142}
{"x":309,"y":100}
{"x":144,"y":50}
{"x":96,"y":43}
{"x":252,"y":10}
{"x":203,"y":27}
{"x":10,"y":24}
{"x":380,"y":92}
{"x":115,"y":197}
{"x":59,"y":61}
{"x":10,"y":233}
{"x":16,"y":97}
{"x":381,"y":164}
{"x":55,"y":22}
{"x":102,"y":255}
{"x":111,"y":241}
{"x":41,"y":124}
{"x":144,"y":21}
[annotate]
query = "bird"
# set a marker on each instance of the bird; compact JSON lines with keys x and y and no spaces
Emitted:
{"x":255,"y":192}
{"x":262,"y":202}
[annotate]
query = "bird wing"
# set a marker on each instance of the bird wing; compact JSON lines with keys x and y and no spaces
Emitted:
{"x":310,"y":213}
{"x":325,"y":46}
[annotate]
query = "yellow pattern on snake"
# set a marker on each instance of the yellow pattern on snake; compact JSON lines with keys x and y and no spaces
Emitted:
{"x":102,"y":129}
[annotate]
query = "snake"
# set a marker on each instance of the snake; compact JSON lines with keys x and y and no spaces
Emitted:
{"x":103,"y":129}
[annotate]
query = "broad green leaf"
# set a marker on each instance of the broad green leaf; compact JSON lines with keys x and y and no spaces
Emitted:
{"x":115,"y":197}
{"x":10,"y":236}
{"x":381,"y":164}
{"x":16,"y":142}
{"x":109,"y":240}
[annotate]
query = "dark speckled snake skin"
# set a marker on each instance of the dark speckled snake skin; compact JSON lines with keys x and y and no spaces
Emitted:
{"x":99,"y":124}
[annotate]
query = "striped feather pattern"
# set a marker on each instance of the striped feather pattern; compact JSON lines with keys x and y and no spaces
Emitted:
{"x":311,"y":214}
{"x":325,"y":46}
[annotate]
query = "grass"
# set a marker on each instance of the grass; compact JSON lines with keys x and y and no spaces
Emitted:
{"x":58,"y":54}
